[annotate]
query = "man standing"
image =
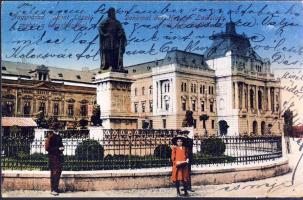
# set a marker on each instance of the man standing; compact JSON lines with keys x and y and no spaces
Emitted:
{"x":54,"y":146}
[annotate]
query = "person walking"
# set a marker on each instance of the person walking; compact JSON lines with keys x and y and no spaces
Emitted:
{"x":55,"y":148}
{"x":180,"y":160}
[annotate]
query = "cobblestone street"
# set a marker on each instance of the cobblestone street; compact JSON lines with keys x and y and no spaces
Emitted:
{"x":272,"y":187}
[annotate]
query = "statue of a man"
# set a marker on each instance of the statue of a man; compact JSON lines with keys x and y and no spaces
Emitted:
{"x":112,"y":42}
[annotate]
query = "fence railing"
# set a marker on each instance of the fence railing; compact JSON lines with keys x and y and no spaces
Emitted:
{"x":130,"y":149}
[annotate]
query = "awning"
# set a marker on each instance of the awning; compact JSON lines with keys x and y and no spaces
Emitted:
{"x":18,"y":121}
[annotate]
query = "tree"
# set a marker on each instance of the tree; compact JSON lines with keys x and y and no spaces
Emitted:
{"x":204,"y":118}
{"x":95,"y":118}
{"x":223,"y":127}
{"x":288,"y":122}
{"x":83,"y":123}
{"x":54,"y":123}
{"x":188,"y":120}
{"x":41,"y":121}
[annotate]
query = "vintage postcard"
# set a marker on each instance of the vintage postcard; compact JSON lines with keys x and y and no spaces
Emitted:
{"x":151,"y":99}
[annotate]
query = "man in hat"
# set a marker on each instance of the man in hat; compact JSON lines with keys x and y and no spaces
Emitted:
{"x":54,"y":147}
{"x":189,"y":145}
{"x":180,"y":162}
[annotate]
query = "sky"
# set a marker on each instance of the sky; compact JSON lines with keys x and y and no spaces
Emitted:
{"x":63,"y":33}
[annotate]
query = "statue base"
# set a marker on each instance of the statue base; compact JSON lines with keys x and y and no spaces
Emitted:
{"x":114,"y":98}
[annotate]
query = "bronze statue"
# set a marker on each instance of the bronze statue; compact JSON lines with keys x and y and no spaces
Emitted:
{"x":112,"y":42}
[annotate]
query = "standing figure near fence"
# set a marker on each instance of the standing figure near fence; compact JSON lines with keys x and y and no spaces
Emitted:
{"x":54,"y":147}
{"x":180,"y":160}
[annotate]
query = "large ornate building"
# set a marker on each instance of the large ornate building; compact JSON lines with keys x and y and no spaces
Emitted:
{"x":230,"y":90}
{"x":28,"y":89}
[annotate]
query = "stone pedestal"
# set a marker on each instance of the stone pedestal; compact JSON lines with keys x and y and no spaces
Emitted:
{"x":114,"y":98}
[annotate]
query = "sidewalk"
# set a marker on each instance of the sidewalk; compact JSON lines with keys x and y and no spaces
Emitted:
{"x":280,"y":186}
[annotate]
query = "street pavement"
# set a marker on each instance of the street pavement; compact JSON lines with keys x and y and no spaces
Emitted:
{"x":288,"y":185}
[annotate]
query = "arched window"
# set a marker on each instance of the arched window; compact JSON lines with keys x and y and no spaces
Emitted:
{"x":251,"y":95}
{"x":260,"y":100}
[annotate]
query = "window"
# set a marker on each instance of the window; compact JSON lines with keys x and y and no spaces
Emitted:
{"x":209,"y":90}
{"x":143,"y":90}
{"x":212,"y":124}
{"x":27,"y":108}
{"x":136,"y":107}
{"x":150,"y":106}
{"x":167,"y":105}
{"x":194,"y":105}
{"x":164,"y":123}
{"x":150,"y":124}
{"x":70,"y":110}
{"x":211,"y":106}
{"x":8,"y":109}
{"x":260,"y":100}
{"x":202,"y":106}
{"x":185,"y":87}
{"x":184,"y":105}
{"x":195,"y":123}
{"x":135,"y":91}
{"x":83,"y":110}
{"x":192,"y":88}
{"x":42,"y":107}
{"x":151,"y":89}
{"x":56,"y":108}
{"x":251,"y":95}
{"x":143,"y":106}
{"x":203,"y":89}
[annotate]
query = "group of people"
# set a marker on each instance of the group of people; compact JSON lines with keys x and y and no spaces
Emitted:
{"x":181,"y":158}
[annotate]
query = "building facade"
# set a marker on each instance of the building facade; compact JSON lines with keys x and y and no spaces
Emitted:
{"x":28,"y":89}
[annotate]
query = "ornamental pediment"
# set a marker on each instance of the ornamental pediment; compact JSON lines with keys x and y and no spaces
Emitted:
{"x":28,"y":97}
{"x":84,"y":101}
{"x":44,"y":85}
{"x":56,"y":99}
{"x":9,"y":96}
{"x":70,"y":100}
{"x":41,"y":98}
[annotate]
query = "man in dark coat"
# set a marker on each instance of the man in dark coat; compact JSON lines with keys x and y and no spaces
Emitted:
{"x":54,"y":147}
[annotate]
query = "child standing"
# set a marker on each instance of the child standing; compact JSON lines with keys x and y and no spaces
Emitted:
{"x":180,"y":160}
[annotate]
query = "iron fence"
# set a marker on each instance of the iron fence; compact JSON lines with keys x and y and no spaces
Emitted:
{"x":133,"y":149}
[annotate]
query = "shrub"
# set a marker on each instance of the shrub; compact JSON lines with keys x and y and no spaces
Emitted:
{"x":89,"y":150}
{"x":41,"y":121}
{"x":83,"y":123}
{"x":162,"y":151}
{"x":212,"y":147}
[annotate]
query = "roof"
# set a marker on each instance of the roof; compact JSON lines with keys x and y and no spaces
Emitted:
{"x":55,"y":73}
{"x":18,"y":121}
{"x":181,"y":58}
{"x":230,"y":40}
